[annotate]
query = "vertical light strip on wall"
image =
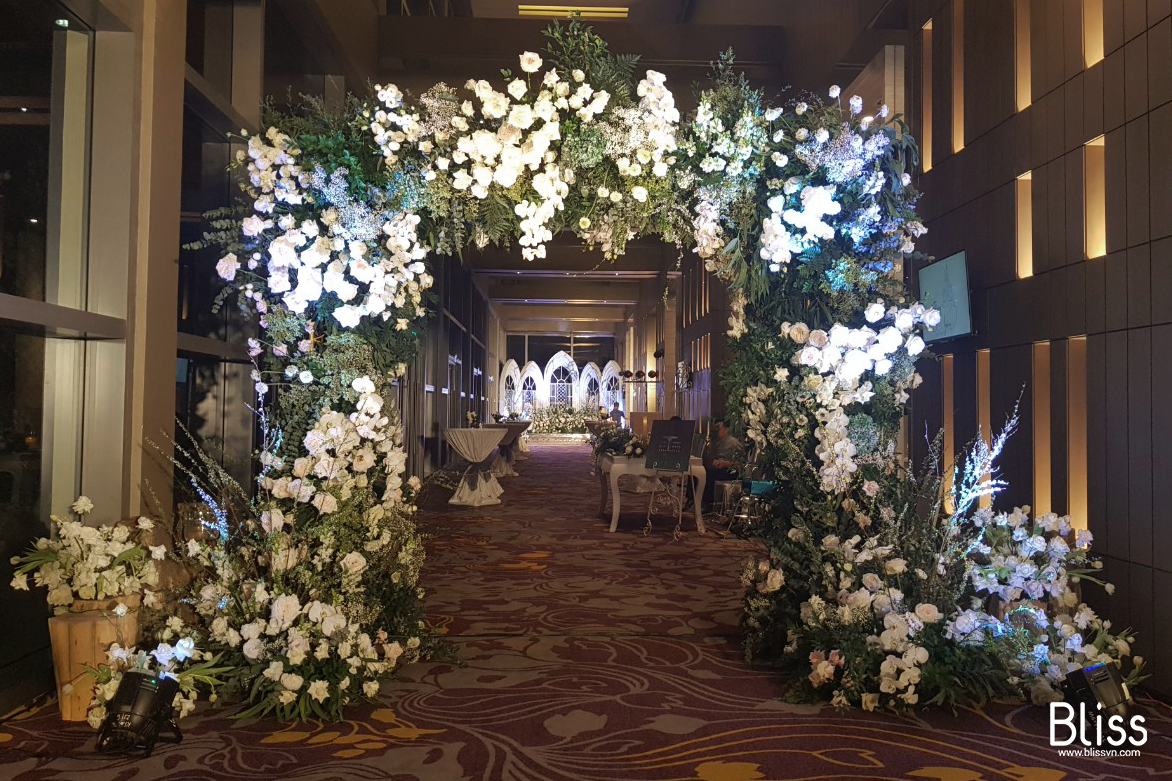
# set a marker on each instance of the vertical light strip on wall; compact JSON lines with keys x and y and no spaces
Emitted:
{"x":984,"y":411}
{"x":1092,"y":31}
{"x":926,"y":96}
{"x":1041,"y":395}
{"x":947,"y":424}
{"x":1025,"y":225}
{"x":957,"y":75}
{"x":1076,"y":430}
{"x":1095,"y":197}
{"x":1023,"y":91}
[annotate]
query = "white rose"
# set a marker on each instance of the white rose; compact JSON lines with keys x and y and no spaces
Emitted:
{"x":253,"y":649}
{"x":227,"y":267}
{"x":353,"y":563}
{"x":799,"y":332}
{"x":325,"y":503}
{"x":639,"y":193}
{"x":928,"y":613}
{"x":915,"y":345}
{"x":332,"y":624}
{"x":874,"y":312}
{"x":319,"y":690}
{"x":819,"y":338}
{"x":291,"y":681}
{"x":530,"y":62}
{"x":517,"y":89}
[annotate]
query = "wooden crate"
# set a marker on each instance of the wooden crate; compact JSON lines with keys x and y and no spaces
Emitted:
{"x":83,"y":638}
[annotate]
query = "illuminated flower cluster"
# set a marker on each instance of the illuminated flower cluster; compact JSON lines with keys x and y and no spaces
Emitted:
{"x":342,"y":452}
{"x":371,"y":264}
{"x":826,"y":378}
{"x":1033,"y":566}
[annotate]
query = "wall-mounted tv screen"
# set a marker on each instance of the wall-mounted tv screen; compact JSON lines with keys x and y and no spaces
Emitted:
{"x":944,"y":285}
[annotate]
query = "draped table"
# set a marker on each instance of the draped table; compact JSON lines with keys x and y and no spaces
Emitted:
{"x":502,"y":465}
{"x":611,"y":468}
{"x":477,"y":485}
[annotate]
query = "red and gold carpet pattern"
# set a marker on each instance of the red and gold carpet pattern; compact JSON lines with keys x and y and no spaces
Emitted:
{"x":584,"y":656}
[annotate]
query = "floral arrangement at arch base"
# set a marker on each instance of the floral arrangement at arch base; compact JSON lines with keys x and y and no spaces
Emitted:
{"x":804,"y":210}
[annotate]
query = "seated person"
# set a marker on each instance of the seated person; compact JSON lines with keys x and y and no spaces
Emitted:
{"x":603,"y":414}
{"x":723,"y":453}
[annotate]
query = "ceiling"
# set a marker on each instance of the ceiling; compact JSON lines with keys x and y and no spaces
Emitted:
{"x":417,"y":43}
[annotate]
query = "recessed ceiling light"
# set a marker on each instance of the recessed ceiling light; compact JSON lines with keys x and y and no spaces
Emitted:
{"x":22,"y":108}
{"x":62,"y":22}
{"x":585,"y":11}
{"x":33,"y":220}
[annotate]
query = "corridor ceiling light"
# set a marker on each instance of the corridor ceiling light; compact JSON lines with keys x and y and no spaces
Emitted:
{"x":62,"y":22}
{"x":585,"y":11}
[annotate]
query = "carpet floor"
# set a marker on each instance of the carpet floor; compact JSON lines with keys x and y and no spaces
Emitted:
{"x":584,"y":655}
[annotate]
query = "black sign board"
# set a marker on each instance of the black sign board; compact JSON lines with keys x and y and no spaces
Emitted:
{"x":671,"y":445}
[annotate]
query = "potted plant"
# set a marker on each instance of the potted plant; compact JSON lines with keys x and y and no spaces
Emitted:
{"x":96,"y":579}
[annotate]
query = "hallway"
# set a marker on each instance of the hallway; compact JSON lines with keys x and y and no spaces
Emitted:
{"x":582,"y":656}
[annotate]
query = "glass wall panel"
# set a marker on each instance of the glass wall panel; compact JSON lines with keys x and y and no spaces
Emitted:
{"x":44,"y":125}
{"x":31,"y":448}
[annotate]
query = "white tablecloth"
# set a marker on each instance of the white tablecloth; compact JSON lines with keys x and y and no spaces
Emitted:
{"x":611,"y":468}
{"x":502,"y":465}
{"x":477,"y":485}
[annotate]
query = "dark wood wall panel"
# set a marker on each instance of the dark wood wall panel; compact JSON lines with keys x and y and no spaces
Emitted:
{"x":1161,"y":280}
{"x":1117,"y":466}
{"x":1121,"y":302}
{"x":964,"y":397}
{"x":1097,"y":414}
{"x":1059,"y":482}
{"x":1011,"y":385}
{"x":1116,"y":164}
{"x":1139,"y":443}
{"x":1135,"y":67}
{"x":1136,"y":139}
{"x":1161,"y":454}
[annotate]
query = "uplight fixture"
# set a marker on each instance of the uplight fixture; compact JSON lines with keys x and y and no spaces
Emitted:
{"x":584,"y":11}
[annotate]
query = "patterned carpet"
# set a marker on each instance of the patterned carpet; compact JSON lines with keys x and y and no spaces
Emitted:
{"x":583,"y":656}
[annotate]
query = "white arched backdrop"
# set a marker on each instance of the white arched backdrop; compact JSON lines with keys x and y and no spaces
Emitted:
{"x":522,"y":389}
{"x":590,"y":385}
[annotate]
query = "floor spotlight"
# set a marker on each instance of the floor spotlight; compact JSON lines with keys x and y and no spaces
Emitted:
{"x":141,"y":708}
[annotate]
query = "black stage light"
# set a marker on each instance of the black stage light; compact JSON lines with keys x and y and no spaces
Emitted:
{"x":141,"y":707}
{"x":1098,"y":686}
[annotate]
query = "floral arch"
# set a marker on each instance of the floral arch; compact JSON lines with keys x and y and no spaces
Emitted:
{"x":800,"y":209}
